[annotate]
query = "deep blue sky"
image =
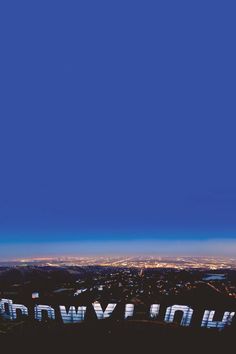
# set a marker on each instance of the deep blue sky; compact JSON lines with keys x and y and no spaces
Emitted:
{"x":118,"y":119}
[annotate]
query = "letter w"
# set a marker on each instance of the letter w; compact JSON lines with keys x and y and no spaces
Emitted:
{"x":72,"y":316}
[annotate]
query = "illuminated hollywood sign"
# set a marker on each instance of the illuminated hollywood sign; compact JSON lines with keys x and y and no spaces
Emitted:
{"x":11,"y":311}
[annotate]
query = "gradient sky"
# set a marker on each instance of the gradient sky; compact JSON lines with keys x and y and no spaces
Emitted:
{"x":118,"y":123}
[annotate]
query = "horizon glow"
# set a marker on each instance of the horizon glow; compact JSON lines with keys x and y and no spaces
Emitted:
{"x":210,"y":247}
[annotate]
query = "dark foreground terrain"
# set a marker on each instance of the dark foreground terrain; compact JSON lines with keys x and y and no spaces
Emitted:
{"x":109,"y":336}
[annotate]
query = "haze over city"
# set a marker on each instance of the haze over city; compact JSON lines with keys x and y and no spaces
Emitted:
{"x":214,"y":247}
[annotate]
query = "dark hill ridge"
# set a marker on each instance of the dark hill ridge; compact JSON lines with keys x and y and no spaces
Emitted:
{"x":37,"y":274}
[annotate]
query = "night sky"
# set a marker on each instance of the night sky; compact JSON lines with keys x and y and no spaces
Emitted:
{"x":118,"y":124}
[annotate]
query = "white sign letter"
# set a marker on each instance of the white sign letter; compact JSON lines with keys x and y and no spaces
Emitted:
{"x":186,"y":317}
{"x":129,"y":310}
{"x":6,"y":308}
{"x":99,"y":311}
{"x":72,"y":316}
{"x":154,"y":310}
{"x":22,"y":308}
{"x":38,"y":312}
{"x":208,"y":322}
